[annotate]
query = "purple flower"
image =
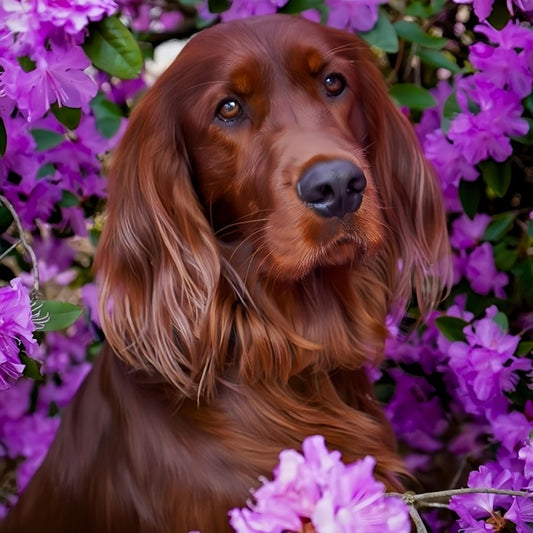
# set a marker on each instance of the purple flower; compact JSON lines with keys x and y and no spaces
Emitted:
{"x":512,"y":429}
{"x":58,"y":77}
{"x":483,"y":8}
{"x":29,"y":437}
{"x":72,"y":15}
{"x":486,"y":134}
{"x":451,"y":166}
{"x":478,"y":512}
{"x":358,"y":15}
{"x":480,"y":270}
{"x":416,"y":413}
{"x":245,"y":8}
{"x":502,"y":65}
{"x":467,"y":232}
{"x":485,"y":367}
{"x":317,"y":488}
{"x":526,"y":454}
{"x":16,"y":329}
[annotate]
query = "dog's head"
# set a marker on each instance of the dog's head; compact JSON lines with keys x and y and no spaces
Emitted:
{"x":269,"y":150}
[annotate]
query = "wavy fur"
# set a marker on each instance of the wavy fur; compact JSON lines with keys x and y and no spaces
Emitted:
{"x":239,"y":320}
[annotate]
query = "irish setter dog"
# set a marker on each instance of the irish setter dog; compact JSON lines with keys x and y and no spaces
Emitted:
{"x":268,"y":207}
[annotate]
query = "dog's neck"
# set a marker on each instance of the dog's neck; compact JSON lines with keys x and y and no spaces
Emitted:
{"x":326,"y":317}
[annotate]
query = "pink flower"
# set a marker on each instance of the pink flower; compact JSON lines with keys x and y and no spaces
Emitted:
{"x":16,"y":329}
{"x":318,"y":488}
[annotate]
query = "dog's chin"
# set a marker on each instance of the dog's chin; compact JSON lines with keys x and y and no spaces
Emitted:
{"x":346,"y":252}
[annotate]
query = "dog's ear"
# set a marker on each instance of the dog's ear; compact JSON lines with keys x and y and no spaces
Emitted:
{"x":418,"y":246}
{"x":157,"y":261}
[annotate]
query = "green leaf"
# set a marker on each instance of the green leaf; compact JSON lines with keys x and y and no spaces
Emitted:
{"x":68,"y":199}
{"x":382,"y":35}
{"x":46,"y":170}
{"x":497,"y":176}
{"x":438,"y":59}
{"x":108,"y":115}
{"x":46,"y":139}
{"x":499,"y":226}
{"x":504,"y":257}
{"x":529,"y":102}
{"x":412,"y":96}
{"x":452,"y":327}
{"x":26,"y":63}
{"x":423,"y":10}
{"x":61,"y":314}
{"x":411,"y":31}
{"x":3,"y":138}
{"x":218,"y":6}
{"x":450,"y":109}
{"x":113,"y":49}
{"x":297,"y":6}
{"x":32,"y":369}
{"x":524,"y":348}
{"x":470,"y":196}
{"x":68,"y":116}
{"x":6,"y":218}
{"x":523,"y":274}
{"x":502,"y":321}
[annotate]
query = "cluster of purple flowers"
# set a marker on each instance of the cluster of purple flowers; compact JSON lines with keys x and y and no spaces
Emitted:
{"x":494,"y":512}
{"x":350,"y":15}
{"x":43,"y":67}
{"x":316,"y":488}
{"x":47,"y":171}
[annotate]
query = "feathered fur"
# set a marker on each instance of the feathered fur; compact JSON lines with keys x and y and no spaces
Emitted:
{"x":239,"y":320}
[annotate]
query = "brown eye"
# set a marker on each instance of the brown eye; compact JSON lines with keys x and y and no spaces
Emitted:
{"x":334,"y":84}
{"x":229,"y":110}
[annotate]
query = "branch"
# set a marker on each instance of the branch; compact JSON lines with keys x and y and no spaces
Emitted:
{"x":418,"y":501}
{"x":26,"y":245}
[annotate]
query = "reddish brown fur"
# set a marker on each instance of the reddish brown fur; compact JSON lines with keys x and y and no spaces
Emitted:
{"x":240,"y":318}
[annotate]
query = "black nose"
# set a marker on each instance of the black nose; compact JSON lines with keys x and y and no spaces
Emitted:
{"x":332,"y":188}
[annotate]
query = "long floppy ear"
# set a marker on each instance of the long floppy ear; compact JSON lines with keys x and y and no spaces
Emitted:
{"x":413,"y":206}
{"x":157,"y":260}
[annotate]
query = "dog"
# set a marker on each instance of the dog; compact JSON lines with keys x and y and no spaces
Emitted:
{"x":269,"y":207}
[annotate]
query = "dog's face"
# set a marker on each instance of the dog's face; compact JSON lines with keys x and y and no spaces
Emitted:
{"x":267,"y":162}
{"x":272,"y":118}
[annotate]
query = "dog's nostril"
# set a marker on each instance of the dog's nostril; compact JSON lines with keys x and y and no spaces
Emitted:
{"x":332,"y":188}
{"x":326,"y":191}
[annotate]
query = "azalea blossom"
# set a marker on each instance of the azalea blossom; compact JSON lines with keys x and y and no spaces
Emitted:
{"x":479,"y":512}
{"x":16,"y":330}
{"x":57,"y":77}
{"x":318,"y":489}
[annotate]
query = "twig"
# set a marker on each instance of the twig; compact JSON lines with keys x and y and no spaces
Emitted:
{"x":26,"y":245}
{"x":418,"y":501}
{"x":447,"y":494}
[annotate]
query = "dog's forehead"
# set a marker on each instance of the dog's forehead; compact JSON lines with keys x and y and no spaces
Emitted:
{"x":258,"y":44}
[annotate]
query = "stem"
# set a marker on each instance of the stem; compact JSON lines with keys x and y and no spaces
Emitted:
{"x":27,"y":247}
{"x":454,"y":492}
{"x":417,"y":519}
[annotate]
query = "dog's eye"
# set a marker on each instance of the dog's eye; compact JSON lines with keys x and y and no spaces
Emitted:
{"x":334,"y":84}
{"x":229,"y":110}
